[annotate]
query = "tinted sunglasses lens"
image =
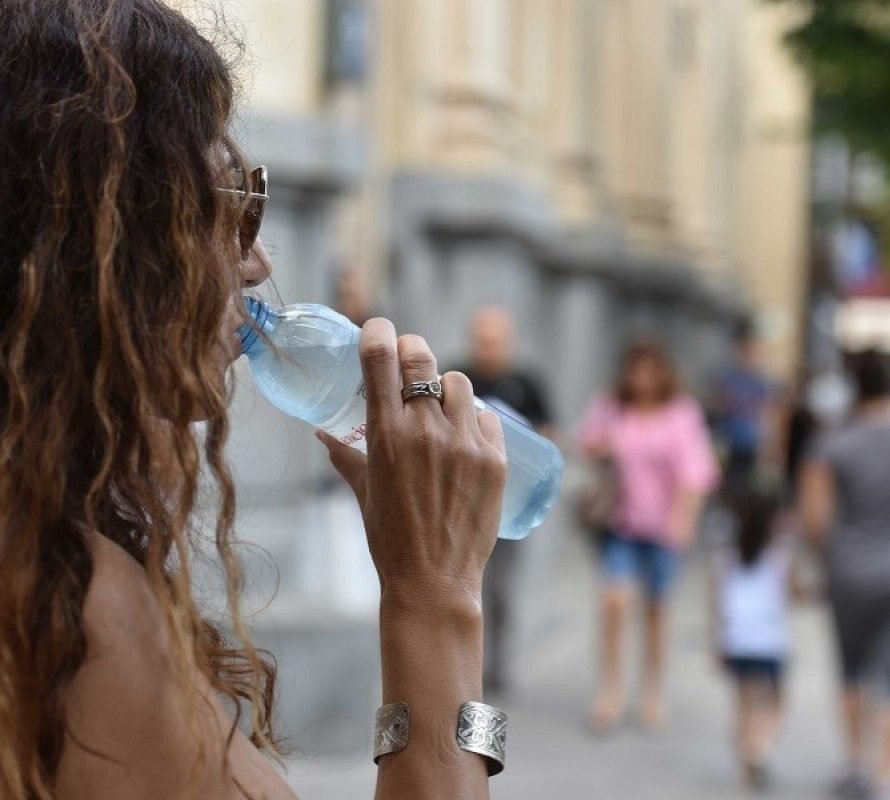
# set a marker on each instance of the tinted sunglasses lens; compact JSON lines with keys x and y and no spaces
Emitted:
{"x":252,"y":218}
{"x":259,"y":180}
{"x":249,"y":227}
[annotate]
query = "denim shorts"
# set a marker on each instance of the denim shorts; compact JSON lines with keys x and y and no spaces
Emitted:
{"x":650,"y":565}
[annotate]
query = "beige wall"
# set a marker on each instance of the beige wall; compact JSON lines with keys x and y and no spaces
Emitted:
{"x":282,"y":70}
{"x":683,"y":122}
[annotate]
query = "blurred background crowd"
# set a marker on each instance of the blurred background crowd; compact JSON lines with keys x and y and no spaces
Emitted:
{"x":657,"y":229}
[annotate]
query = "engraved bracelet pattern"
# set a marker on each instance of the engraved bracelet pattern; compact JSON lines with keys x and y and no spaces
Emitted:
{"x":390,"y":730}
{"x":482,"y":729}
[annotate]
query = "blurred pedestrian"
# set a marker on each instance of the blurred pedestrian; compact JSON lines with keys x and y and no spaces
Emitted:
{"x":496,"y":378}
{"x":658,"y":442}
{"x":801,"y":425}
{"x":845,"y":508}
{"x":743,"y":409}
{"x":752,"y":583}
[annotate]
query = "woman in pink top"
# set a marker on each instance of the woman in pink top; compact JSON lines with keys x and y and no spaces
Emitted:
{"x":665,"y":465}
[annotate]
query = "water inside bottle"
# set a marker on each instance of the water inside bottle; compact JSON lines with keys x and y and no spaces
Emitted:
{"x":534,"y":474}
{"x":310,"y":373}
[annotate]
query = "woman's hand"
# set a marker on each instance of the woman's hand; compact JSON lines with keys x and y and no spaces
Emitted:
{"x":430,"y":492}
{"x":431,"y":487}
{"x":684,"y":519}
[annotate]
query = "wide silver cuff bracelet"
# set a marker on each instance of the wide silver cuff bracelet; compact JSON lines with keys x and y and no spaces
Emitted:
{"x":391,"y":729}
{"x":482,"y":729}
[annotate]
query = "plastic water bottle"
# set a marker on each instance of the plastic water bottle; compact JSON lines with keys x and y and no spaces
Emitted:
{"x":312,"y":372}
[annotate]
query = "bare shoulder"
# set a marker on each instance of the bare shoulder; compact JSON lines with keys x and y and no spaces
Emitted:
{"x":121,"y":613}
{"x":128,"y":735}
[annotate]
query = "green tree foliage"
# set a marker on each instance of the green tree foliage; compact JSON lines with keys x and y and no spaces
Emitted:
{"x":844,"y":47}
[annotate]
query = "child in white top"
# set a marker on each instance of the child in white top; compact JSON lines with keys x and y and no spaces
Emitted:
{"x":753,"y":587}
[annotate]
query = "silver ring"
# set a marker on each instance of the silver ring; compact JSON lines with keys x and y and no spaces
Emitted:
{"x":424,"y":389}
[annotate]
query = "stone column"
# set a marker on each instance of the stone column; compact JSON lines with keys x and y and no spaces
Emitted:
{"x":583,"y":326}
{"x":532,"y":78}
{"x":611,"y":79}
{"x":466,"y":59}
{"x":574,"y":168}
{"x":634,"y":88}
{"x":703,"y":126}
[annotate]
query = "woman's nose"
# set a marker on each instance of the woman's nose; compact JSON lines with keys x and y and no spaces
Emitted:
{"x":256,"y":267}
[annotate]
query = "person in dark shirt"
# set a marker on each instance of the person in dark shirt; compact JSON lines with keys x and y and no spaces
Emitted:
{"x":497,"y":380}
{"x":802,"y":425}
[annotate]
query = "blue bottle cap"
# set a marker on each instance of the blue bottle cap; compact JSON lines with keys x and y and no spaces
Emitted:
{"x":258,"y":314}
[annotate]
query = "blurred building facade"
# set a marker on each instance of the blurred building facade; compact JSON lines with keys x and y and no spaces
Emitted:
{"x":657,"y":148}
{"x":602,"y":168}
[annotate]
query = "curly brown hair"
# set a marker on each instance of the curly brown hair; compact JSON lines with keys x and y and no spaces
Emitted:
{"x":113,"y":286}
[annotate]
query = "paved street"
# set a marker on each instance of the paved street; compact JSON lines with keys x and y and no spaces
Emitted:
{"x":551,"y":753}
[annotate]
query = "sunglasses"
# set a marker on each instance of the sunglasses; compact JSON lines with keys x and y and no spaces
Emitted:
{"x":256,"y":193}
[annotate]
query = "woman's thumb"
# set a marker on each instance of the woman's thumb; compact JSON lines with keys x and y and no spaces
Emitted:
{"x":348,"y":461}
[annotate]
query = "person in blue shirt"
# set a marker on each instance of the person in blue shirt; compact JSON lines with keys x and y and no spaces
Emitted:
{"x":742,"y":407}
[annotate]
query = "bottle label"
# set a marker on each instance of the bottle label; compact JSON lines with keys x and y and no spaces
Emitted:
{"x":349,"y":425}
